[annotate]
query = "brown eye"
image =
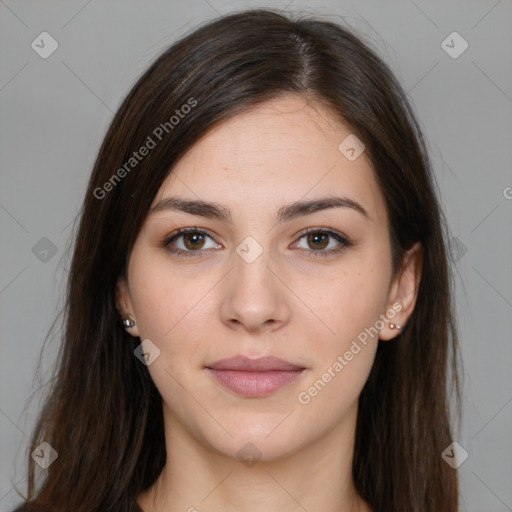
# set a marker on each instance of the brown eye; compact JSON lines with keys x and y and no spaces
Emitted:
{"x":318,"y":240}
{"x":193,"y":240}
{"x":189,"y":242}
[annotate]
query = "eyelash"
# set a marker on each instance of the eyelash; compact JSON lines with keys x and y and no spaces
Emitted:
{"x":344,"y":243}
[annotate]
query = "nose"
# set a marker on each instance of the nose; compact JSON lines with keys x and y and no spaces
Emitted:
{"x":254,"y":296}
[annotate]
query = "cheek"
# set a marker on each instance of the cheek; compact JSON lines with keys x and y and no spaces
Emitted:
{"x":347,"y":302}
{"x":344,"y":357}
{"x":349,"y":308}
{"x":166,"y":301}
{"x":173,"y":312}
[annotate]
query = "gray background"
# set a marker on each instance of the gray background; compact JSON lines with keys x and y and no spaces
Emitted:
{"x":55,"y":112}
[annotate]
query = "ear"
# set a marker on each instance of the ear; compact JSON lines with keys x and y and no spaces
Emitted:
{"x":124,"y":305}
{"x":403,"y":293}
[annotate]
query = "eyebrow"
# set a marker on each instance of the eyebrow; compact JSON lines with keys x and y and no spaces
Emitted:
{"x":285,"y":213}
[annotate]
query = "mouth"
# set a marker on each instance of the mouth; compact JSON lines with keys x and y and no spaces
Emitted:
{"x":254,"y":377}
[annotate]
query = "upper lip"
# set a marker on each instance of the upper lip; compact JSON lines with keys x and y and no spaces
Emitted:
{"x":261,"y":364}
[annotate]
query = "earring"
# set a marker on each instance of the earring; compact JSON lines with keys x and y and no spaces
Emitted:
{"x":128,"y":322}
{"x":395,"y":326}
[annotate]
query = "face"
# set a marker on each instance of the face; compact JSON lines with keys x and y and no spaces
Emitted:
{"x":256,"y":277}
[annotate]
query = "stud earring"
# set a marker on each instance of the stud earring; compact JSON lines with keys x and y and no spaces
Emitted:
{"x":395,"y":326}
{"x":128,"y":322}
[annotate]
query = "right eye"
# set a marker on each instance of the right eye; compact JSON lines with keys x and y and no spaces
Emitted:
{"x":192,"y":241}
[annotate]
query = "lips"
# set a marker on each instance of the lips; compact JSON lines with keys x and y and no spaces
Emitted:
{"x":262,"y":364}
{"x":254,"y":377}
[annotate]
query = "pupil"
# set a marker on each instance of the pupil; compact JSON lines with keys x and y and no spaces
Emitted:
{"x":197,"y":238}
{"x":317,"y":238}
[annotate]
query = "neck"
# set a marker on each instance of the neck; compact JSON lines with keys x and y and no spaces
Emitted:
{"x":198,"y":477}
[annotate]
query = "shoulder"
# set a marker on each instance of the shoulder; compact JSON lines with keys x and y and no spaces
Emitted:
{"x":24,"y":508}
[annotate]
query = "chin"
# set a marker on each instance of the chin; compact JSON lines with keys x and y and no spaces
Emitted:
{"x":256,"y":439}
{"x":251,"y":449}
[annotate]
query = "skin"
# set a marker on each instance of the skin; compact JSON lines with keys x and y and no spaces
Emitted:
{"x":287,"y":303}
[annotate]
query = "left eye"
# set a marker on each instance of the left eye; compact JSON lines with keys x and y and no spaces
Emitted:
{"x":320,"y":239}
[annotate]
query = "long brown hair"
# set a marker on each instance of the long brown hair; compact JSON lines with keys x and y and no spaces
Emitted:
{"x":103,"y":414}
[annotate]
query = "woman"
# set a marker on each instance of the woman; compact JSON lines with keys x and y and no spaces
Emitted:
{"x":258,"y":312}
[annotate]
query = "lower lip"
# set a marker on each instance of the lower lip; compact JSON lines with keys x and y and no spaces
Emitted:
{"x":254,"y":383}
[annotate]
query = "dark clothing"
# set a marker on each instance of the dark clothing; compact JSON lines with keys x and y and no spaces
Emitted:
{"x":23,"y":508}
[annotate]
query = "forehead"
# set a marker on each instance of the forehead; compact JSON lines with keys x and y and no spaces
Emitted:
{"x":277,"y":152}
